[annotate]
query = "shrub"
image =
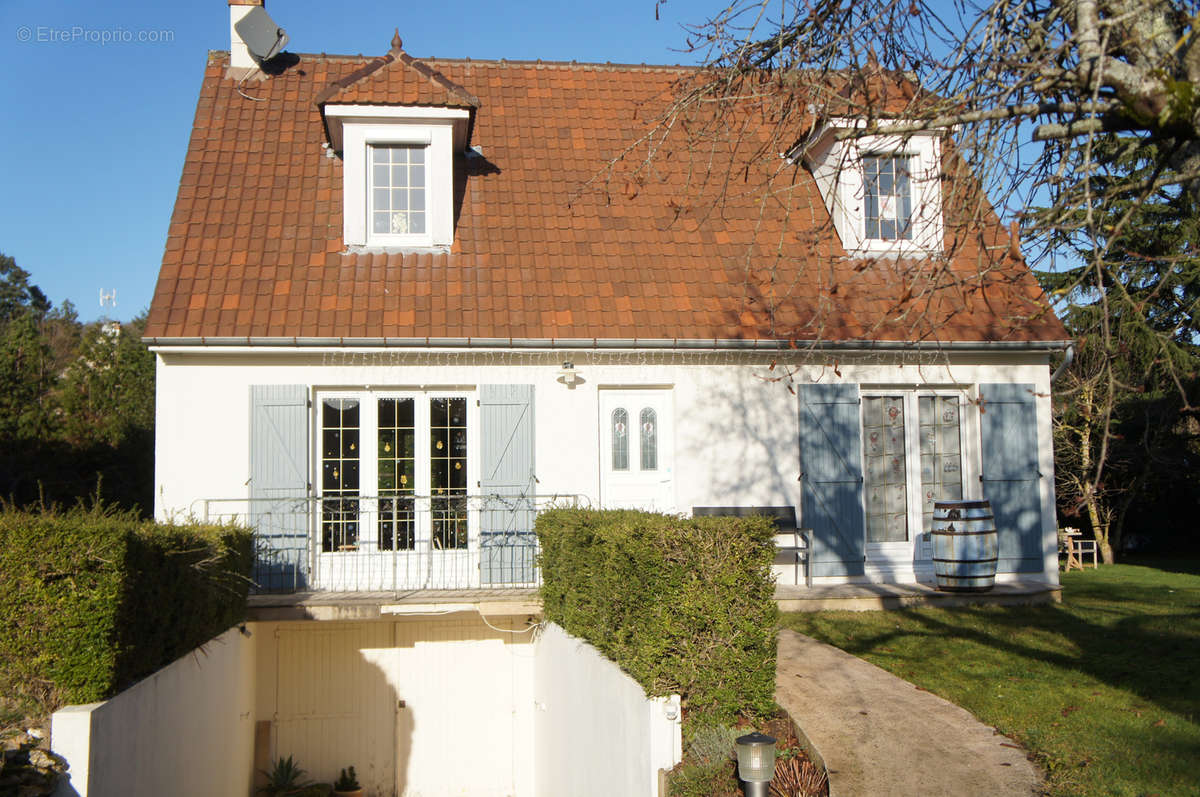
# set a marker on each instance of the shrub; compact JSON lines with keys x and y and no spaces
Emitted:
{"x":684,"y":605}
{"x":93,"y":600}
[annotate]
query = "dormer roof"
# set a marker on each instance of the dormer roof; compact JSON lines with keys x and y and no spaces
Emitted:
{"x":397,"y":79}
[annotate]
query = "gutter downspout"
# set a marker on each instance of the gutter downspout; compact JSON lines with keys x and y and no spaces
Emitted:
{"x":1066,"y":363}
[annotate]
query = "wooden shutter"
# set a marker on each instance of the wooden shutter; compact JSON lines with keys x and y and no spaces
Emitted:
{"x":1010,"y":476}
{"x":831,"y":476}
{"x":279,"y":484}
{"x":508,"y":547}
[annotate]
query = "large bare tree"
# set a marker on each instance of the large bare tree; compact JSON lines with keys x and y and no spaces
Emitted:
{"x":1070,"y":115}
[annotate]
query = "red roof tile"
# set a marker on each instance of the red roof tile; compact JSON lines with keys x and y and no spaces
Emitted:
{"x":547,"y":243}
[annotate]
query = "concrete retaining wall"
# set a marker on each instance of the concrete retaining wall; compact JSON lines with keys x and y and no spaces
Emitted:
{"x":595,"y":731}
{"x":186,"y":730}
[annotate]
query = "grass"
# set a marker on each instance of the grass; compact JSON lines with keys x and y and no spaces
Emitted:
{"x":1104,"y":689}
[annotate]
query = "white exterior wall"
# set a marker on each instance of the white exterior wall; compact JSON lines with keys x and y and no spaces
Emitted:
{"x":186,"y":730}
{"x":735,"y":429}
{"x":595,"y":731}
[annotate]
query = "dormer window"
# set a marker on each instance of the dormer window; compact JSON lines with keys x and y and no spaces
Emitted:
{"x":398,"y":190}
{"x":883,"y":192}
{"x":398,"y":173}
{"x":888,"y":195}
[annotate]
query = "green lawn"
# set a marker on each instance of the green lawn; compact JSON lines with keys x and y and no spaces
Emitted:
{"x":1104,"y":689}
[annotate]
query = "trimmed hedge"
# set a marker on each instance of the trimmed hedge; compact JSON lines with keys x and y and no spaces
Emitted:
{"x":684,"y":605}
{"x":94,"y":600}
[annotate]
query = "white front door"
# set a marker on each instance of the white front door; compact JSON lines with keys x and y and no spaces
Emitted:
{"x":637,"y":452}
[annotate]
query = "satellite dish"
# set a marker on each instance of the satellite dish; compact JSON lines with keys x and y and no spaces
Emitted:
{"x":262,"y":37}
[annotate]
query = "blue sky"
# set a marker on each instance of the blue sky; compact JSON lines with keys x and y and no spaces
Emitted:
{"x":100,"y":98}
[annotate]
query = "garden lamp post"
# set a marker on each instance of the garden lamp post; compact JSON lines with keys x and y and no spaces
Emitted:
{"x":756,"y":763}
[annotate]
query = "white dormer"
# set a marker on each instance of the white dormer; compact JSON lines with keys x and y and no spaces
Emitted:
{"x":398,"y":164}
{"x":883,"y":192}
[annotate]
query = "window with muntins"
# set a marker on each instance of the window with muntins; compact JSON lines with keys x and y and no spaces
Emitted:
{"x":907,"y":465}
{"x":396,"y":456}
{"x":395,"y":464}
{"x":398,"y":189}
{"x":888,"y":189}
{"x":340,"y":457}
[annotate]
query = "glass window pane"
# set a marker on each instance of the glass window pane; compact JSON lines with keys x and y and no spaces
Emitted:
{"x":379,"y":154}
{"x":339,"y":473}
{"x":417,"y":223}
{"x":382,"y":222}
{"x":416,"y":176}
{"x":380,"y":199}
{"x":399,"y":177}
{"x":400,"y":199}
{"x":416,"y":154}
{"x":416,"y":200}
{"x":379,"y":176}
{"x":648,"y":423}
{"x":885,"y":469}
{"x":941,"y":462}
{"x":620,"y":439}
{"x":457,"y":412}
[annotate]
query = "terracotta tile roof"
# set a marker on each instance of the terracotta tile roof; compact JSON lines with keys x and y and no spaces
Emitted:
{"x":547,"y":244}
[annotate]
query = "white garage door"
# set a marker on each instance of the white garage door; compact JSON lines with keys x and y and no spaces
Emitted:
{"x":420,"y":707}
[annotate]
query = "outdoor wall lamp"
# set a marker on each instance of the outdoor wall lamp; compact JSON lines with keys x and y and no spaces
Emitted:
{"x":568,"y":375}
{"x":756,"y":763}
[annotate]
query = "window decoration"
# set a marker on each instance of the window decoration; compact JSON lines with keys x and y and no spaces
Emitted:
{"x":888,"y":197}
{"x":339,"y":474}
{"x":397,"y":467}
{"x":397,"y":189}
{"x":620,"y":439}
{"x":648,"y":421}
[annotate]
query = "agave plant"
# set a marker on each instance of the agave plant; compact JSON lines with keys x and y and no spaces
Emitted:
{"x":284,"y":778}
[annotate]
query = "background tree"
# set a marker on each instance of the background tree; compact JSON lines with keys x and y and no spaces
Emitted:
{"x":76,"y":403}
{"x":1125,"y":410}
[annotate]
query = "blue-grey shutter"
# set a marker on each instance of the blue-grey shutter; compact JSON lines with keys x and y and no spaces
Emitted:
{"x":507,"y":543}
{"x":1011,"y":481}
{"x":831,"y":477}
{"x":279,"y":485}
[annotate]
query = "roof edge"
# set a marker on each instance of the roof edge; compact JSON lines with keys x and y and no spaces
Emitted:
{"x":576,"y":344}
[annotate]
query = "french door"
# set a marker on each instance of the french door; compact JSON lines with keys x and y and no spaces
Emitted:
{"x":393,"y":470}
{"x":912,"y":457}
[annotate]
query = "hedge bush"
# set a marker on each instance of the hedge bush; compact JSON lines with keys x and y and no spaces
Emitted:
{"x":93,"y":600}
{"x":684,"y":605}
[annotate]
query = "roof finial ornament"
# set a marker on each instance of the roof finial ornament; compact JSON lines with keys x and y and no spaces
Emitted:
{"x":396,"y":42}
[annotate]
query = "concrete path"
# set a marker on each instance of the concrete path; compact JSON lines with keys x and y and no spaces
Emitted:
{"x":880,"y":736}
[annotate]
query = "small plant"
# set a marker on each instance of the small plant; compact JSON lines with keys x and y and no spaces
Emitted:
{"x":347,"y":781}
{"x":713,"y":743}
{"x":284,"y":778}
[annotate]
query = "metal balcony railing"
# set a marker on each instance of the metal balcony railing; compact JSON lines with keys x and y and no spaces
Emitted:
{"x":347,"y":543}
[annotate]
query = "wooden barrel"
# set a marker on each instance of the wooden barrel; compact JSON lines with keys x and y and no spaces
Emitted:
{"x":965,"y":546}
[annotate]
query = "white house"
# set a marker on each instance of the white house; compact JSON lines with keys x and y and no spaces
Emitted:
{"x":404,"y":303}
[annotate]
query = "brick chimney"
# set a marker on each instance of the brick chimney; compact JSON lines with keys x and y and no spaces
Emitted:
{"x":239,"y":56}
